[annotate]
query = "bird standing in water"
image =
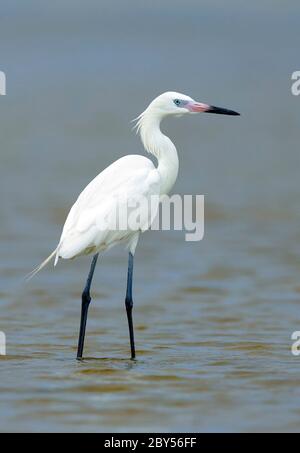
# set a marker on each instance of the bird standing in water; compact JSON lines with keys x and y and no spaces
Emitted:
{"x":132,"y":177}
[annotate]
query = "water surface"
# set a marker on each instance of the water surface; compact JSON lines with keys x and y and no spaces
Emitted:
{"x":213,"y":319}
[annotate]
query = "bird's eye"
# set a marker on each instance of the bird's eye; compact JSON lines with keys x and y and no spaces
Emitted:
{"x":176,"y":102}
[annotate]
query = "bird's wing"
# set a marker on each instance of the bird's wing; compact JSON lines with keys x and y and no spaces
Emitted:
{"x":91,"y":221}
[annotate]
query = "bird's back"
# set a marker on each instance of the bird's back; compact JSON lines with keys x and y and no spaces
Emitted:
{"x":91,"y":223}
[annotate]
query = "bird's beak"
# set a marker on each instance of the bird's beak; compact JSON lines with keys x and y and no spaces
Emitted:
{"x":196,"y":107}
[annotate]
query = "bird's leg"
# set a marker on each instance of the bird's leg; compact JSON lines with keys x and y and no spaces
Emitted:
{"x":86,"y":299}
{"x":129,"y":304}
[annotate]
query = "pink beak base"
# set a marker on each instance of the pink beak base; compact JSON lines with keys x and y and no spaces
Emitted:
{"x":197,"y":107}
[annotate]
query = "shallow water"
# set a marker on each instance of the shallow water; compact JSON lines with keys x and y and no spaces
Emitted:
{"x":213,"y":319}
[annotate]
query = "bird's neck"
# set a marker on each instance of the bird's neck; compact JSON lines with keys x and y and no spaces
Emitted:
{"x":158,"y":144}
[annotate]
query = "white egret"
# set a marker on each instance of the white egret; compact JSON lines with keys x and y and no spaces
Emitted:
{"x":130,"y":177}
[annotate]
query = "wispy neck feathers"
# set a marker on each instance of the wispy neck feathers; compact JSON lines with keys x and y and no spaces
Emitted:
{"x":148,"y":126}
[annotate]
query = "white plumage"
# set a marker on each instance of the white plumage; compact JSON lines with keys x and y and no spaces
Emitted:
{"x":100,"y":200}
{"x":132,"y":177}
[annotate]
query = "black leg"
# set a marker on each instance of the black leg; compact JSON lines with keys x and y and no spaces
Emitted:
{"x":129,"y":304}
{"x":86,"y":299}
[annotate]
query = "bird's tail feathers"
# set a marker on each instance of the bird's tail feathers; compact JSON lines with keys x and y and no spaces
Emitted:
{"x":43,"y":264}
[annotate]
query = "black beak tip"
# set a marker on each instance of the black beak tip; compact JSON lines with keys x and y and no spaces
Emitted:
{"x":221,"y":111}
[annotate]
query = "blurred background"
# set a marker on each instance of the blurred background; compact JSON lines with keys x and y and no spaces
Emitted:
{"x":213,"y":319}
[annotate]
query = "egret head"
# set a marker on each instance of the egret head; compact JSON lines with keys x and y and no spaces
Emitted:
{"x":172,"y":103}
{"x":168,"y":104}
